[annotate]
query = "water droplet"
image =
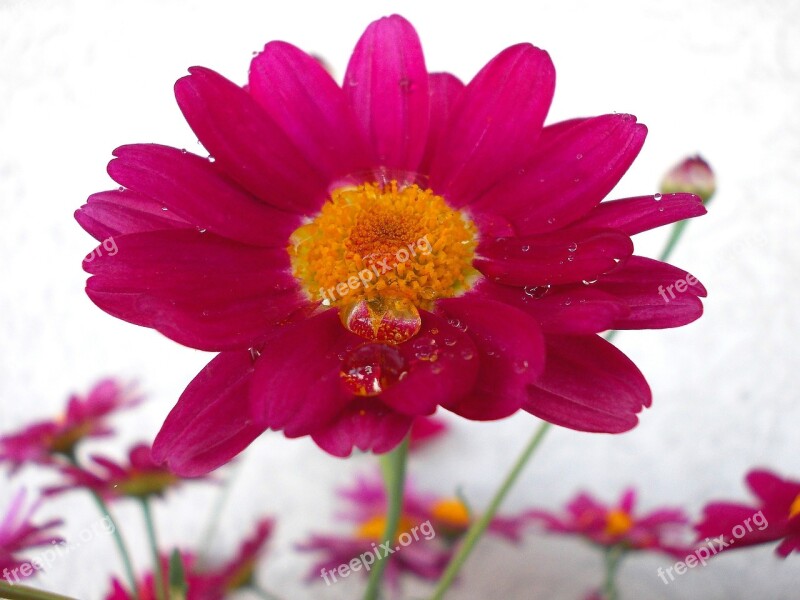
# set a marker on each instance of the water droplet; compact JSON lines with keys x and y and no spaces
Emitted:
{"x":579,"y":156}
{"x":371,"y":369}
{"x":449,"y":341}
{"x":352,"y":82}
{"x":660,"y":209}
{"x":589,"y":281}
{"x":525,"y":248}
{"x":536,"y":291}
{"x":425,"y":349}
{"x":201,"y":229}
{"x":551,"y":220}
{"x":567,"y":301}
{"x":120,"y":189}
{"x":434,"y":331}
{"x":657,"y":197}
{"x":572,"y":247}
{"x":184,"y":151}
{"x":454,"y":323}
{"x":211,"y":159}
{"x":436,"y":368}
{"x":520,"y":366}
{"x":393,"y":320}
{"x":467,"y":354}
{"x":164,"y":208}
{"x":570,"y":258}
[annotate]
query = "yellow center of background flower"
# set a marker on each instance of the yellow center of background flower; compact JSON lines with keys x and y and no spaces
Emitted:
{"x":375,"y":528}
{"x":452,"y":512}
{"x":794,"y":509}
{"x":384,"y":249}
{"x":618,"y":522}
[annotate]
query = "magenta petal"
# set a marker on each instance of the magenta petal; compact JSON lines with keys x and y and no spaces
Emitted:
{"x":311,"y":109}
{"x":117,"y":212}
{"x":443,"y":89}
{"x":494,"y":124}
{"x":510,"y":354}
{"x":720,"y":518}
{"x":366,"y":424}
{"x":247,"y":144}
{"x":210,"y":424}
{"x":634,"y":215}
{"x":566,"y":310}
{"x":568,"y":176}
{"x":657,"y":294}
{"x":565,"y":256}
{"x":588,"y":385}
{"x":297,"y":386}
{"x":192,"y":188}
{"x":196,"y":288}
{"x":386,"y":84}
{"x":771,"y":489}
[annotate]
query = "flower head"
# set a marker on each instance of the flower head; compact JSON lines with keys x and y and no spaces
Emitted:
{"x":139,"y":478}
{"x":45,"y":442}
{"x":692,"y":175}
{"x":617,"y":525}
{"x":361,"y":254}
{"x":423,"y":545}
{"x":19,"y":533}
{"x":774,"y":517}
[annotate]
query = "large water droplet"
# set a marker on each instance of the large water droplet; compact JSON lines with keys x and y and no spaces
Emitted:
{"x":393,"y":320}
{"x":657,"y":197}
{"x":372,"y":369}
{"x":572,"y":247}
{"x":536,"y":291}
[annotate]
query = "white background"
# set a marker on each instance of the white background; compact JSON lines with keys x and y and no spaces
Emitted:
{"x":720,"y":77}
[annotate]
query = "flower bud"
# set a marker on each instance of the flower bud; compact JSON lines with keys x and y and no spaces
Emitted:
{"x":692,"y":175}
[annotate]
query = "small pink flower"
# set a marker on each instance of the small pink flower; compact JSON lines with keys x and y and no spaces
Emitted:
{"x":361,"y":254}
{"x":47,"y":442}
{"x":605,"y":525}
{"x":19,"y":533}
{"x":429,"y":529}
{"x":774,"y":517}
{"x":139,"y":478}
{"x":692,"y":175}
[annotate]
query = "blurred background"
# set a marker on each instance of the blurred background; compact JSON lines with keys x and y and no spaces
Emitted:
{"x":722,"y":78}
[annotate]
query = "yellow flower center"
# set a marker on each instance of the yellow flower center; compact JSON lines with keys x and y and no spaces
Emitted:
{"x":618,"y":522}
{"x":375,"y":528}
{"x":451,"y":512}
{"x":794,"y":509}
{"x":380,"y":252}
{"x":141,"y":485}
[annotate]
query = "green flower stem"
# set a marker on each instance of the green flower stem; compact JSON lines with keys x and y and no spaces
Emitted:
{"x":393,"y":466}
{"x":613,"y":558}
{"x":262,"y":593}
{"x":477,"y":529}
{"x":158,"y":571}
{"x":674,"y":237}
{"x":20,"y":592}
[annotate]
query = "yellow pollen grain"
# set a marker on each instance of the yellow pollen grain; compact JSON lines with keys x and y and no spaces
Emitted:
{"x":377,"y":240}
{"x":618,"y":522}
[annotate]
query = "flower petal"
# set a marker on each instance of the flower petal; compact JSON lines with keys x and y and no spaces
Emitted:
{"x":443,"y":89}
{"x":510,"y":355}
{"x":642,"y":213}
{"x":306,"y":103}
{"x":297,"y":386}
{"x":568,"y":176}
{"x":190,"y":187}
{"x":247,"y":144}
{"x":198,"y":289}
{"x":366,"y":424}
{"x":588,"y":385}
{"x":210,"y":424}
{"x":565,"y":256}
{"x":494,"y":124}
{"x":117,"y":212}
{"x":771,"y":489}
{"x":386,"y":84}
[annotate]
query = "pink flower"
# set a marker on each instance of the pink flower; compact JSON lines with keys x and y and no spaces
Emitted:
{"x":362,"y":254}
{"x":692,"y":175}
{"x":660,"y":530}
{"x":429,"y":528}
{"x":140,"y":478}
{"x":45,"y":442}
{"x":18,"y":533}
{"x":775,"y":516}
{"x":204,"y":583}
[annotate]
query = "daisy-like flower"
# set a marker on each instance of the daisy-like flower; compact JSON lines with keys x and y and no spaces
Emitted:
{"x":429,"y":528}
{"x":19,"y":533}
{"x":48,"y":442}
{"x":774,"y":517}
{"x":362,"y":254}
{"x":662,"y":530}
{"x":139,"y":478}
{"x":203,"y":583}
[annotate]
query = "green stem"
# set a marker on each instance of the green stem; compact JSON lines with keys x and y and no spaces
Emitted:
{"x":119,"y":540}
{"x":393,"y":466}
{"x":11,"y":591}
{"x":613,"y":558}
{"x":477,"y":529}
{"x":674,"y":237}
{"x":158,"y":570}
{"x":262,"y":593}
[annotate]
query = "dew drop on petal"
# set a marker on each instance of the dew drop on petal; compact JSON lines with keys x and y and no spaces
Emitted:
{"x":568,"y":301}
{"x":120,"y":189}
{"x":393,"y":320}
{"x":164,"y":208}
{"x":570,"y":258}
{"x":372,"y":369}
{"x":551,"y":220}
{"x":572,"y":247}
{"x":520,"y":366}
{"x":449,"y":341}
{"x":589,"y":281}
{"x":467,"y":354}
{"x":657,"y":197}
{"x":579,"y":156}
{"x":536,"y":291}
{"x":201,"y":229}
{"x":525,"y":248}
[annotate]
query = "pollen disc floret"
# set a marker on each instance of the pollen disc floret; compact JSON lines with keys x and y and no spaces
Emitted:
{"x":379,"y":252}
